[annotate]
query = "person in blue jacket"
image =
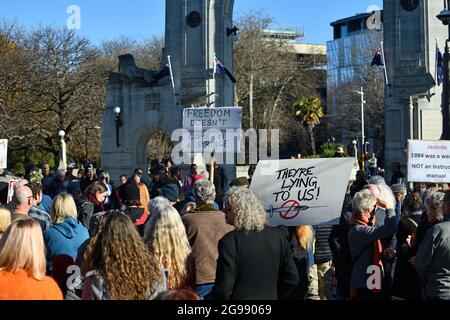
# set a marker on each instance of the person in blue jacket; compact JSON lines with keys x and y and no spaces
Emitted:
{"x":66,"y":234}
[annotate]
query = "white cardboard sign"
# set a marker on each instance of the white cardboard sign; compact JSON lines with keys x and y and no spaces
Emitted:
{"x":429,"y":161}
{"x":302,"y":192}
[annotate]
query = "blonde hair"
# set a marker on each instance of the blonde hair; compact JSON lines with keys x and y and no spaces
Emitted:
{"x":22,"y":248}
{"x":305,"y":236}
{"x":250,"y":213}
{"x":5,"y":219}
{"x":166,"y":239}
{"x":63,"y":206}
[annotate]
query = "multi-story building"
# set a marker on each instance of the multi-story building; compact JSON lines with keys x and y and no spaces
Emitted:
{"x":349,"y":55}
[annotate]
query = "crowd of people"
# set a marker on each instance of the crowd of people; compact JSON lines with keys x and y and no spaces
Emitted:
{"x":170,"y":236}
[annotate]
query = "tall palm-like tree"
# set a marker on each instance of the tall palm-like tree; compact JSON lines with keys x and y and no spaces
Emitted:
{"x":309,"y":112}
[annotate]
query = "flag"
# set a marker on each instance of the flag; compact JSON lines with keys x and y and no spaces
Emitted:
{"x":440,"y":66}
{"x":164,"y":72}
{"x":221,"y":69}
{"x":378,"y":59}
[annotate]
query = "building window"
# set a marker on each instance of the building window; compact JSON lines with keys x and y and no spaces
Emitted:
{"x":354,"y":25}
{"x":152,"y":102}
{"x":337,"y":32}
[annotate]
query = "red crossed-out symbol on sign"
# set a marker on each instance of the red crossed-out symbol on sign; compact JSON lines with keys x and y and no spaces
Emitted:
{"x":292,"y":210}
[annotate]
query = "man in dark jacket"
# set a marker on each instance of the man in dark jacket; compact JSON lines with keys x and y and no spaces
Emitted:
{"x":59,"y":184}
{"x":47,"y":179}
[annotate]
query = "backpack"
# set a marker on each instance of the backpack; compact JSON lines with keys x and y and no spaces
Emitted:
{"x":85,"y":211}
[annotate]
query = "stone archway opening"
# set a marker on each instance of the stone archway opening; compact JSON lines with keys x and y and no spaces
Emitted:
{"x":159,"y":147}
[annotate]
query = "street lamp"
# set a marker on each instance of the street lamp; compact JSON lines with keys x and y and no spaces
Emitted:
{"x":444,"y":16}
{"x":87,"y":142}
{"x":62,"y":150}
{"x":355,"y":148}
{"x":119,"y":123}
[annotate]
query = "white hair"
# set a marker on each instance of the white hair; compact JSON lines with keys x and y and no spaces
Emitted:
{"x":158,"y":202}
{"x":434,"y":203}
{"x":377,"y":180}
{"x":205,"y":191}
{"x":250,"y":213}
{"x":363,"y":201}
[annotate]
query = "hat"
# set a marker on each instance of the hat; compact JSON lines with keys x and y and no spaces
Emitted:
{"x":170,"y":191}
{"x":130,"y":191}
{"x":198,"y":177}
{"x":240,"y":182}
{"x":90,"y":167}
{"x":340,"y":150}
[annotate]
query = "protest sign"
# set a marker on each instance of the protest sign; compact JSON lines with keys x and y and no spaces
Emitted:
{"x":302,"y":192}
{"x":3,"y":153}
{"x":11,"y":184}
{"x":429,"y":161}
{"x":215,"y":128}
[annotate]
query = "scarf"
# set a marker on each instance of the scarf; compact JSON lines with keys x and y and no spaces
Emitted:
{"x":205,"y":207}
{"x":98,"y":206}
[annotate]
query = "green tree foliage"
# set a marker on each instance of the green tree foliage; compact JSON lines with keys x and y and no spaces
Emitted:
{"x":309,"y":112}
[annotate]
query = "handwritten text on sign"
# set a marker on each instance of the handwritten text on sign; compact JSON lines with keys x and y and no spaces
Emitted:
{"x":429,"y":161}
{"x":302,"y":192}
{"x":212,"y":118}
{"x":3,"y":153}
{"x":213,"y":129}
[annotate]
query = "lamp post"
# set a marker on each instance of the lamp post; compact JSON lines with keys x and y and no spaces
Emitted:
{"x":362,"y":127}
{"x":444,"y":16}
{"x":62,"y":150}
{"x":119,"y":123}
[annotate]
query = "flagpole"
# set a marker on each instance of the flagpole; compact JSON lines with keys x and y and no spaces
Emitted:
{"x":214,"y":77}
{"x":171,"y":78}
{"x":436,"y":63}
{"x":384,"y":60}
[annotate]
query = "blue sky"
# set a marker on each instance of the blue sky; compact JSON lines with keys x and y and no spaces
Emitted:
{"x":109,"y":19}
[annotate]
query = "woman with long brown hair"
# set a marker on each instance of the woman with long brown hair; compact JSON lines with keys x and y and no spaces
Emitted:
{"x":22,"y":264}
{"x":117,"y":264}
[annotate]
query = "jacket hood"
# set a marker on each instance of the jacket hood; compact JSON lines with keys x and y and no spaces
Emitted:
{"x":69,"y":228}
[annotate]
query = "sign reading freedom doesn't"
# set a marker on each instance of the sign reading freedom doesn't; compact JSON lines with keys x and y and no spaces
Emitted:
{"x":302,"y":192}
{"x":213,"y":129}
{"x":429,"y":161}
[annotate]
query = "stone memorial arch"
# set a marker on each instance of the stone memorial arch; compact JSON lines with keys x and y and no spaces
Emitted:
{"x":195,"y":30}
{"x":413,"y":100}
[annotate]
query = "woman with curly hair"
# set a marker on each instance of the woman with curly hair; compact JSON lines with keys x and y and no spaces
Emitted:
{"x":117,"y":264}
{"x":166,"y":238}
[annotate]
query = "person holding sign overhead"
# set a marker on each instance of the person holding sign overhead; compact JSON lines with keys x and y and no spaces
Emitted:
{"x":366,"y":250}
